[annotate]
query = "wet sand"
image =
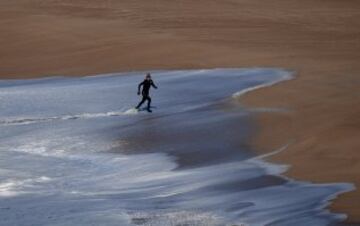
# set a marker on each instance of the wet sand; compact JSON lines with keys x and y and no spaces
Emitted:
{"x":319,"y":39}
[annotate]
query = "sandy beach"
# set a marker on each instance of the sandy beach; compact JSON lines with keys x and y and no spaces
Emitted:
{"x":319,"y":40}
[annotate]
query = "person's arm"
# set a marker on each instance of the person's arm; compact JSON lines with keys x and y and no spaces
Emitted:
{"x":153,"y":84}
{"x":139,"y":87}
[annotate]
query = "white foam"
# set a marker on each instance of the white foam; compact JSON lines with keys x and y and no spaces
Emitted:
{"x":12,"y":188}
{"x":131,"y":111}
{"x":285,"y":76}
{"x":27,"y":121}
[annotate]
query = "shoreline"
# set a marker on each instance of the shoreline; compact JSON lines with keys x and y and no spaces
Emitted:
{"x":267,"y":180}
{"x":264,"y":149}
{"x":317,"y":39}
{"x":274,"y":128}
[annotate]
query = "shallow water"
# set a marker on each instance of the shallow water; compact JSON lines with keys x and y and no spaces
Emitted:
{"x":73,"y":152}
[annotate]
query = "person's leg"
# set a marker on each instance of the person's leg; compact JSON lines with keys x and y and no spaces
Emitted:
{"x":141,"y":102}
{"x":149,"y":102}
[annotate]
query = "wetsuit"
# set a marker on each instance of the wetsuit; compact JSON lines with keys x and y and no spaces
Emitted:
{"x":146,"y":84}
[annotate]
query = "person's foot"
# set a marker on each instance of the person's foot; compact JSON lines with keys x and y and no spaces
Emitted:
{"x":149,"y":110}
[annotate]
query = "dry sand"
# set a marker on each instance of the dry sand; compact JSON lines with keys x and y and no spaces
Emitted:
{"x":319,"y":39}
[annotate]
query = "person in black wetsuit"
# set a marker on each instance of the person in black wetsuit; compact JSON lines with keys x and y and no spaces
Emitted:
{"x":146,"y":84}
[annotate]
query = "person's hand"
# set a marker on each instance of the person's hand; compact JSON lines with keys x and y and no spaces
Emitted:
{"x":138,"y":93}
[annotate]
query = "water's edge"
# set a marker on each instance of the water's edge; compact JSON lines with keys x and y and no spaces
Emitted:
{"x":62,"y":158}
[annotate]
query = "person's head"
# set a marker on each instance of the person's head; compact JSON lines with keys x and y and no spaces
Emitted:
{"x":148,"y":76}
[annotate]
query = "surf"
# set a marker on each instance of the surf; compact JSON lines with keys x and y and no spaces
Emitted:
{"x":75,"y":151}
